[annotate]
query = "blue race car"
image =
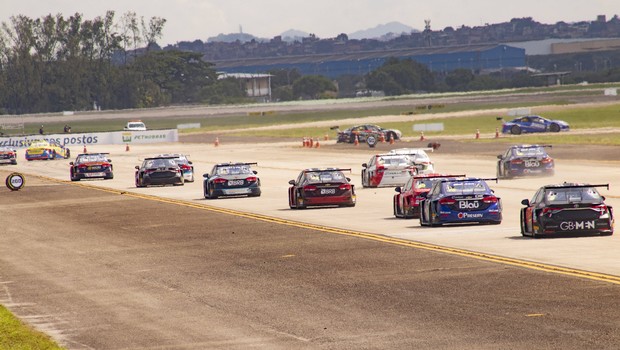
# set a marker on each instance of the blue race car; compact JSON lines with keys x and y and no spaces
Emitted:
{"x":465,"y":200}
{"x":533,"y":123}
{"x":521,"y":160}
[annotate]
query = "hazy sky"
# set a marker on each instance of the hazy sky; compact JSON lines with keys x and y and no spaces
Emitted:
{"x":188,"y":20}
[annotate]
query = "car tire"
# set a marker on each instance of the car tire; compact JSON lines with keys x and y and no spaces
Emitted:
{"x":211,"y":193}
{"x":299,"y":205}
{"x":498,"y":171}
{"x":522,"y":222}
{"x":554,"y":127}
{"x":395,"y":208}
{"x":73,"y":177}
{"x":515,"y":130}
{"x":364,"y":182}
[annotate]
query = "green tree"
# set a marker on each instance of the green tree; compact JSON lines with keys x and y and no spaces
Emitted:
{"x":397,"y":77}
{"x":312,"y":87}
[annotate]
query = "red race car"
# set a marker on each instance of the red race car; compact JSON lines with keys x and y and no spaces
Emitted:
{"x":407,"y":199}
{"x":321,"y":187}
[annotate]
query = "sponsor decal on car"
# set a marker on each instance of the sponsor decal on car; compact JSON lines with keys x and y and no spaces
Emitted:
{"x":469,"y":216}
{"x":469,"y":204}
{"x":577,"y":225}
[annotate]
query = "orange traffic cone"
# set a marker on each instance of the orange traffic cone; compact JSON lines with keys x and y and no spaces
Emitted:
{"x":316,"y":144}
{"x":127,"y":147}
{"x":310,"y":142}
{"x":496,"y":133}
{"x":217,"y":142}
{"x":84,"y":150}
{"x":357,"y":141}
{"x":477,"y":134}
{"x":421,"y":135}
{"x":391,"y":141}
{"x":326,"y":137}
{"x":303,"y":142}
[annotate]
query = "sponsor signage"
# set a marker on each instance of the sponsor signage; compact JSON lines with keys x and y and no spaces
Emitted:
{"x":96,"y":138}
{"x":469,"y":216}
{"x":469,"y":204}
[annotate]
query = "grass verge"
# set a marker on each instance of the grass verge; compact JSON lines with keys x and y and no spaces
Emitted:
{"x":14,"y":335}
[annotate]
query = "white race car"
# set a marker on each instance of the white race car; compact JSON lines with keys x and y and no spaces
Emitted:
{"x":420,"y":158}
{"x":387,"y":170}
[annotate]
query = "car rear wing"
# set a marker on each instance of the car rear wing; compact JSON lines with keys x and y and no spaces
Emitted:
{"x":549,"y":187}
{"x":151,"y":158}
{"x":470,"y":179}
{"x":533,"y":146}
{"x":326,"y":170}
{"x":235,"y":164}
{"x":438,"y":176}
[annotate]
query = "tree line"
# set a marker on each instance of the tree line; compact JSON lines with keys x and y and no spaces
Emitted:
{"x":53,"y":64}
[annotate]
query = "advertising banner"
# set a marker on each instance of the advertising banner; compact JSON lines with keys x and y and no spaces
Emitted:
{"x":95,"y":138}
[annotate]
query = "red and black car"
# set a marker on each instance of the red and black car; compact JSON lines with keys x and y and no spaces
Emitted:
{"x":8,"y":156}
{"x":91,"y":166}
{"x":567,"y":208}
{"x":321,"y":187}
{"x":407,"y":199}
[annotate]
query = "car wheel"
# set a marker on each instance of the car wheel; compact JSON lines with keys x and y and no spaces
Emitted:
{"x":364,"y":182}
{"x":522,"y":222}
{"x":299,"y":204}
{"x":499,"y":172}
{"x":371,"y":140}
{"x":73,"y":177}
{"x":515,"y":130}
{"x":212,"y":194}
{"x":554,"y":127}
{"x":395,"y":207}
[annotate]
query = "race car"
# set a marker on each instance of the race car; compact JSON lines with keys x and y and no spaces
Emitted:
{"x":231,"y":179}
{"x":387,"y":170}
{"x":533,"y":123}
{"x":159,"y":171}
{"x":520,"y":160}
{"x":90,"y":166}
{"x":420,"y":158}
{"x":567,"y":208}
{"x":186,"y":165}
{"x":44,"y":150}
{"x":8,"y":156}
{"x":407,"y":200}
{"x":364,"y":131}
{"x":465,"y":200}
{"x":321,"y":187}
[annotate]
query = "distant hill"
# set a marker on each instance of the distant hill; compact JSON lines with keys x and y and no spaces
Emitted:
{"x":383,"y":31}
{"x":232,"y":37}
{"x":294,"y":35}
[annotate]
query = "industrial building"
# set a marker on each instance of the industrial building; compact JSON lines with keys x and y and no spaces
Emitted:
{"x":478,"y":58}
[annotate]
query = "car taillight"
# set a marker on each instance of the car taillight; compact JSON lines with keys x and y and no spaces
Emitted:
{"x":148,"y":171}
{"x":251,"y":179}
{"x":489,"y":199}
{"x":309,"y":188}
{"x":185,"y":167}
{"x":219,"y":181}
{"x":380,"y":169}
{"x":547,"y":160}
{"x":447,"y":201}
{"x":82,"y":166}
{"x":345,"y":187}
{"x":516,"y":161}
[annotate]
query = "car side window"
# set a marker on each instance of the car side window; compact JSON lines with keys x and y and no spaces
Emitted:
{"x":538,"y":197}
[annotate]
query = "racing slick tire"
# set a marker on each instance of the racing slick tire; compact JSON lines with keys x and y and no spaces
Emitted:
{"x":67,"y":153}
{"x":210,"y":193}
{"x":364,"y":182}
{"x":298,"y":204}
{"x":515,"y":130}
{"x":554,"y":127}
{"x":522,"y":222}
{"x":139,"y":182}
{"x":395,"y":207}
{"x":371,"y":140}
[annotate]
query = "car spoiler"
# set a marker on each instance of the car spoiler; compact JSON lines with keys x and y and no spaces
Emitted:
{"x":471,"y":179}
{"x":533,"y":146}
{"x":438,"y":176}
{"x":151,"y":158}
{"x":90,"y":153}
{"x":548,"y":187}
{"x":232,"y":164}
{"x":326,"y":170}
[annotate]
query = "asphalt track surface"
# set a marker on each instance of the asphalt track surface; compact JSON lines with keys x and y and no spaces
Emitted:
{"x":103,"y":265}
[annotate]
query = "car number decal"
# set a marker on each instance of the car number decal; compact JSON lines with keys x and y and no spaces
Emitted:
{"x":532,"y":163}
{"x":235,"y":182}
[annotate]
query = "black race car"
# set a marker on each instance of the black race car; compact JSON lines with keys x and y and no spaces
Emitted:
{"x":321,"y":187}
{"x":522,"y":160}
{"x":567,"y":208}
{"x":90,"y":166}
{"x":231,"y":179}
{"x":159,"y":171}
{"x":363,"y":132}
